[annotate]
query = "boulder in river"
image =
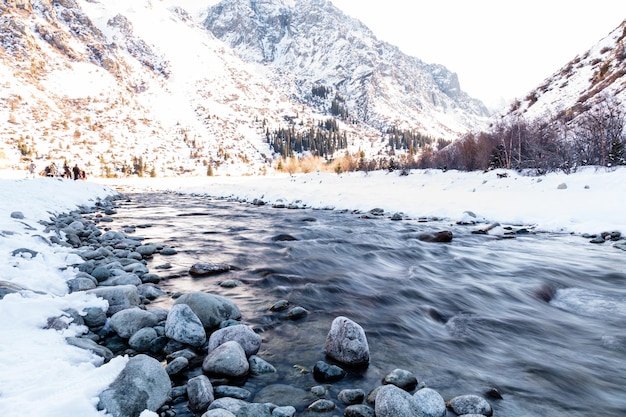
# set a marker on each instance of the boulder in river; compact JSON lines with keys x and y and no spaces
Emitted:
{"x":205,"y":269}
{"x":346,"y":343}
{"x":228,"y":360}
{"x":184,"y":326}
{"x":470,"y":404}
{"x":211,"y":309}
{"x":444,"y":236}
{"x":240,"y":333}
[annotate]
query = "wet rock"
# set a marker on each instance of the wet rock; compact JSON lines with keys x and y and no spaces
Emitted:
{"x":9,"y":288}
{"x":142,"y":384}
{"x":127,"y":322}
{"x":358,"y":410}
{"x":401,"y":379}
{"x":94,"y":316}
{"x":283,"y":238}
{"x":280,"y":305}
{"x":90,"y":345}
{"x":232,"y":405}
{"x":233,"y":392}
{"x":228,"y":359}
{"x":436,"y":237}
{"x":287,"y":411}
{"x":470,"y":404}
{"x":210,"y":309}
{"x":101,"y":273}
{"x":322,"y":406}
{"x":24,"y":253}
{"x":177,"y":365}
{"x":206,"y":269}
{"x":150,"y":291}
{"x":392,"y":401}
{"x":80,"y":284}
{"x":346,"y":343}
{"x":242,"y":334}
{"x":146,"y":251}
{"x":122,"y":279}
{"x":324,"y":372}
{"x":142,"y":339}
{"x":297,"y":313}
{"x":184,"y":326}
{"x":168,"y":251}
{"x":254,"y":410}
{"x":258,"y":366}
{"x":218,"y":412}
{"x":200,"y":393}
{"x":351,"y":396}
{"x":430,"y":403}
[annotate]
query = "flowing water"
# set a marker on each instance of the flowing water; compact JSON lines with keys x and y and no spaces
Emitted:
{"x":540,"y":317}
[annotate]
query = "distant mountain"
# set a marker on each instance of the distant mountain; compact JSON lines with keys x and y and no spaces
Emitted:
{"x":310,"y":44}
{"x":598,"y":74}
{"x":143,"y":86}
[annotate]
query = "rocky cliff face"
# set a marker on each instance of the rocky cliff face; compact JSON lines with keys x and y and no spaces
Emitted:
{"x":311,"y":43}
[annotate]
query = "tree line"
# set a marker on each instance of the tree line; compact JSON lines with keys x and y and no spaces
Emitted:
{"x":323,"y":140}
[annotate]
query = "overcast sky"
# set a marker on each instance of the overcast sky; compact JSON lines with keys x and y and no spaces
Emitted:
{"x":499,"y":49}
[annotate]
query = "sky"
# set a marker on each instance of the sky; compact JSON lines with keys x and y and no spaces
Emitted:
{"x":500,"y":50}
{"x":41,"y":375}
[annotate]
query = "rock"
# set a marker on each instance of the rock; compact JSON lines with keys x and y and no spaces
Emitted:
{"x":430,"y":403}
{"x":200,"y":393}
{"x":562,"y":186}
{"x":259,"y":366}
{"x":142,"y":339}
{"x":281,"y":394}
{"x":80,"y":284}
{"x":101,"y":273}
{"x":280,"y":305}
{"x":126,"y":278}
{"x":297,"y":313}
{"x":351,"y":396}
{"x":168,"y":251}
{"x":346,"y":343}
{"x":146,"y":251}
{"x":441,"y":237}
{"x":120,"y":297}
{"x":324,"y":372}
{"x":9,"y":288}
{"x":184,"y":326}
{"x":17,"y":215}
{"x":142,"y":384}
{"x":283,"y":238}
{"x":205,"y":269}
{"x":150,"y":291}
{"x":233,"y":405}
{"x":210,"y":309}
{"x":177,"y":365}
{"x":127,"y":322}
{"x":242,"y":334}
{"x":254,"y":410}
{"x":322,"y":406}
{"x":228,"y":359}
{"x":94,"y":317}
{"x":90,"y":345}
{"x":287,"y":411}
{"x":218,"y":412}
{"x":401,"y":379}
{"x":470,"y":404}
{"x":392,"y":401}
{"x":232,"y":392}
{"x":358,"y":410}
{"x":24,"y":253}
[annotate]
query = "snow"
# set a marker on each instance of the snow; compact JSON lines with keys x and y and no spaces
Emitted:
{"x":40,"y":374}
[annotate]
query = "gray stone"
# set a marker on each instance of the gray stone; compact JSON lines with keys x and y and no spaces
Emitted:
{"x":401,"y":379}
{"x":210,"y":309}
{"x":358,"y":410}
{"x":142,"y":339}
{"x":150,"y":291}
{"x":126,"y":322}
{"x":233,"y":392}
{"x":122,"y":279}
{"x":101,"y":273}
{"x":17,"y":215}
{"x":325,"y":372}
{"x":470,"y":404}
{"x":184,"y":326}
{"x":200,"y":393}
{"x":254,"y":410}
{"x":242,"y":334}
{"x":7,"y":287}
{"x":142,"y":384}
{"x":297,"y":313}
{"x":231,"y":404}
{"x":392,"y":401}
{"x":259,"y":366}
{"x":346,"y":343}
{"x":90,"y":345}
{"x":123,"y":296}
{"x":321,"y":406}
{"x":430,"y":403}
{"x":218,"y":412}
{"x":286,"y":411}
{"x":94,"y":317}
{"x":177,"y":365}
{"x":228,"y":359}
{"x":185,"y":353}
{"x":80,"y":284}
{"x":205,"y":269}
{"x":351,"y":396}
{"x":146,"y":251}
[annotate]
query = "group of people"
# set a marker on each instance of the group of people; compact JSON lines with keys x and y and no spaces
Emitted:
{"x":53,"y":171}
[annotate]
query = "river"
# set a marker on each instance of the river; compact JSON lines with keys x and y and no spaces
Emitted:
{"x":464,"y":316}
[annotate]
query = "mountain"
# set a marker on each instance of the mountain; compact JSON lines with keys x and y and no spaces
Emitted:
{"x":310,"y":44}
{"x":140,"y":87}
{"x":597,"y":75}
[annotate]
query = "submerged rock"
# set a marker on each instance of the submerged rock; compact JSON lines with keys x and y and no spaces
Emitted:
{"x":346,"y":343}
